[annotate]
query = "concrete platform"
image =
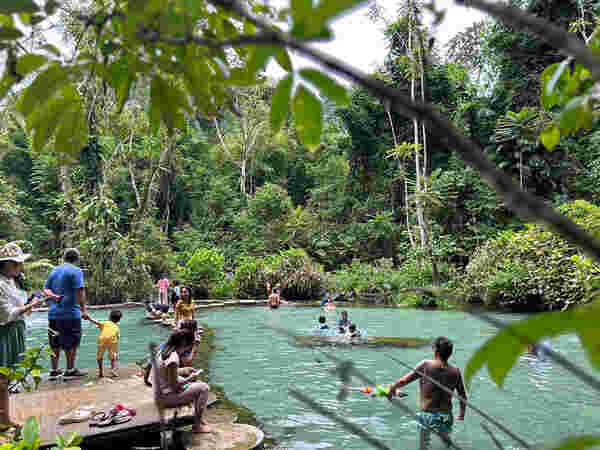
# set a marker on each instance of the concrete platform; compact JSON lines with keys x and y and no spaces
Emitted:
{"x":55,"y":399}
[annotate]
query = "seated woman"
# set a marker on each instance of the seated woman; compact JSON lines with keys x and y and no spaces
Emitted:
{"x":187,"y":358}
{"x":174,"y":390}
{"x":185,"y":309}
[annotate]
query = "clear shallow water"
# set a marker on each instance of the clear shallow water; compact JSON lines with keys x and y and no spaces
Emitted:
{"x":256,"y":367}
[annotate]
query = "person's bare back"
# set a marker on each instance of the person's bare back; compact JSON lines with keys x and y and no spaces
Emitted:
{"x":434,"y":398}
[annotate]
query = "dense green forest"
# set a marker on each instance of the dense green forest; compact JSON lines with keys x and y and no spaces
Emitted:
{"x":226,"y":203}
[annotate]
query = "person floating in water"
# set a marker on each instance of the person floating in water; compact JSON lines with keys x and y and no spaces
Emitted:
{"x":353,"y":332}
{"x":344,"y":322}
{"x":323,"y":323}
{"x":436,"y":404}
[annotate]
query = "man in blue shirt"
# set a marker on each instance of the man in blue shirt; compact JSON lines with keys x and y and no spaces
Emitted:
{"x":66,"y":289}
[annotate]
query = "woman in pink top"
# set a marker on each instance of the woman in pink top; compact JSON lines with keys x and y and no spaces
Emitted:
{"x":163,"y":289}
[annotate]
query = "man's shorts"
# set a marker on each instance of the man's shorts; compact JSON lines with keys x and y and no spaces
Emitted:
{"x":69,"y":334}
{"x":438,"y":421}
{"x":111,"y":347}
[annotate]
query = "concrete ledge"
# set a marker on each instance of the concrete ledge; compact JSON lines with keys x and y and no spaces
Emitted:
{"x":126,"y":305}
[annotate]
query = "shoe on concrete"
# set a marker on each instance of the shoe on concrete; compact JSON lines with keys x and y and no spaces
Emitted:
{"x":75,"y":373}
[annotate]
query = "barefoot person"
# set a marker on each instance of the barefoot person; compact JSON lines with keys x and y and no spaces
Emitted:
{"x":175,"y":390}
{"x":108,"y":341}
{"x":12,"y":326}
{"x":436,"y":404}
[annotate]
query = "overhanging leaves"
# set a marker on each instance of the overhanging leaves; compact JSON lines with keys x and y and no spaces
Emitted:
{"x":17,"y":6}
{"x":308,"y":112}
{"x":501,"y":352}
{"x":43,"y":87}
{"x":326,"y":85}
{"x":280,"y":103}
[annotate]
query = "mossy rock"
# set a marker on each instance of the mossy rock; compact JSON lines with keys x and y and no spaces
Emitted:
{"x":399,"y":342}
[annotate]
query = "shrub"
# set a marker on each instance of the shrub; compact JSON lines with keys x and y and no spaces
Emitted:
{"x":293,"y":270}
{"x":534,"y":269}
{"x":204,"y":270}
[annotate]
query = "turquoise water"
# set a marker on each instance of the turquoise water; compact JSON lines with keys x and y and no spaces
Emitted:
{"x":257,"y":366}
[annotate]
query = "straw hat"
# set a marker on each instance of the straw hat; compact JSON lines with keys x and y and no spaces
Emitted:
{"x":12,"y":252}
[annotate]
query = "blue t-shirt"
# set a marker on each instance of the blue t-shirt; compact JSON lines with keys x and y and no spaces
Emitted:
{"x":65,"y":280}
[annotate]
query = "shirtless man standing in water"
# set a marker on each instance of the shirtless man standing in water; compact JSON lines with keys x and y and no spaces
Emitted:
{"x":436,"y":404}
{"x":275,"y":299}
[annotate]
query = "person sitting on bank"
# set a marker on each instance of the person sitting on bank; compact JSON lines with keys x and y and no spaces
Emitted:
{"x":436,"y":404}
{"x":108,"y":341}
{"x":174,"y":391}
{"x":187,"y":358}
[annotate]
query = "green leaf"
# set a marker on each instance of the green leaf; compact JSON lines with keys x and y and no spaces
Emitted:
{"x":575,"y":443}
{"x":570,"y":121}
{"x":550,"y":137}
{"x":258,"y":59}
{"x":501,"y":351}
{"x":50,"y":7}
{"x":330,"y":9}
{"x":72,"y":131}
{"x":31,"y":430}
{"x":9,"y":34}
{"x":5,"y":84}
{"x":167,"y":101}
{"x":301,"y":10}
{"x":17,"y":6}
{"x":549,"y":97}
{"x":43,"y":87}
{"x":308,"y":112}
{"x":283,"y":59}
{"x":280,"y":102}
{"x":327,"y":86}
{"x":29,"y":63}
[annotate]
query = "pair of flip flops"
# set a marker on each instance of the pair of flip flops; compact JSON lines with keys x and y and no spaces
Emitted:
{"x":116,"y":416}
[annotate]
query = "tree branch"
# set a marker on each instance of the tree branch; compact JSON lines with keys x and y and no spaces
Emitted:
{"x":522,"y":203}
{"x":555,"y":36}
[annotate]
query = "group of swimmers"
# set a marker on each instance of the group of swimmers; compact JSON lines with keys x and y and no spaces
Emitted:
{"x":344,"y":327}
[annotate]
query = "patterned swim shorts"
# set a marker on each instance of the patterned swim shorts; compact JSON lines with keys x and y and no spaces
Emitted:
{"x":439,"y":421}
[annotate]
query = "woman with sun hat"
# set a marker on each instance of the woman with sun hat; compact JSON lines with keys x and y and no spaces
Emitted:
{"x":13,"y":304}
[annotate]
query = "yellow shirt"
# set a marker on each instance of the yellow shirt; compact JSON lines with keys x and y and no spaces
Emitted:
{"x":185,"y":311}
{"x":109,"y":332}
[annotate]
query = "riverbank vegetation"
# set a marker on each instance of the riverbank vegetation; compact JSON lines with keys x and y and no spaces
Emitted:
{"x":230,"y":199}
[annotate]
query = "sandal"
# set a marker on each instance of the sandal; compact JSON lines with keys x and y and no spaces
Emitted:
{"x":122,"y":416}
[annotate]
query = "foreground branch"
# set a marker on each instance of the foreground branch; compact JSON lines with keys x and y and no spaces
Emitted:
{"x":525,"y":205}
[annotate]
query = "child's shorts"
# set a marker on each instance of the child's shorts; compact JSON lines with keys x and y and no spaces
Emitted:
{"x":111,"y":347}
{"x":438,"y":421}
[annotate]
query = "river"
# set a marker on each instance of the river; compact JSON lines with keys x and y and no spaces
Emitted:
{"x":256,"y":366}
